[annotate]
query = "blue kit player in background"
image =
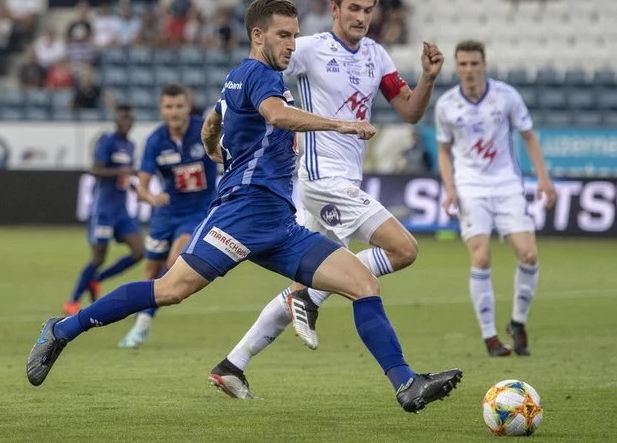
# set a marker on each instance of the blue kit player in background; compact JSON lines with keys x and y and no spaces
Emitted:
{"x":113,"y":166}
{"x":252,"y":131}
{"x":175,"y":152}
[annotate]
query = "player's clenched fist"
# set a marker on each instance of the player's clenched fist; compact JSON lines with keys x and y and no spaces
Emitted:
{"x":432,"y":60}
{"x":363,"y":129}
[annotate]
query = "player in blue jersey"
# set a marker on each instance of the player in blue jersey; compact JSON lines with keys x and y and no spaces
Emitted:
{"x":113,"y":165}
{"x":253,"y":218}
{"x":173,"y":151}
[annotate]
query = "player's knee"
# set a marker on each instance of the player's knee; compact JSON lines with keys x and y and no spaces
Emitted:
{"x":529,"y":256}
{"x":407,"y":252}
{"x":169,"y":294}
{"x":367,"y":285}
{"x":138,"y":253}
{"x":481,"y":260}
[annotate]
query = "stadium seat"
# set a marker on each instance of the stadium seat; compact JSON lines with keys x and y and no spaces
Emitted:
{"x":119,"y":94}
{"x":607,"y":98}
{"x":142,"y":98}
{"x":11,"y":97}
{"x":165,"y":75}
{"x":552,"y":98}
{"x":217,"y":58}
{"x":62,"y":99}
{"x":609,"y":119}
{"x":11,"y":113}
{"x":215,"y":76}
{"x":36,"y":98}
{"x":89,"y":115}
{"x":193,"y":77}
{"x":114,"y":56}
{"x":190,"y":56}
{"x":140,"y":55}
{"x":60,"y":114}
{"x":557,"y":118}
{"x":518,"y":77}
{"x":389,"y":116}
{"x":140,"y":76}
{"x":146,"y":114}
{"x":604,"y":78}
{"x":587,"y":119}
{"x":547,"y":77}
{"x":115,"y":76}
{"x":165,"y":57}
{"x":237,"y":55}
{"x":575,"y":77}
{"x":581,"y":98}
{"x":529,"y":95}
{"x":36,"y":113}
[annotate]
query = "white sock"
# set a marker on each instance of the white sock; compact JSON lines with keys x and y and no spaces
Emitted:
{"x":273,"y":320}
{"x":483,"y":298}
{"x":142,"y":321}
{"x":374,"y":258}
{"x":525,"y":284}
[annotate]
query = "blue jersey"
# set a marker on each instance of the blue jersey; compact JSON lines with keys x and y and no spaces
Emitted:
{"x":189,"y":176}
{"x":255,"y":152}
{"x":115,"y":152}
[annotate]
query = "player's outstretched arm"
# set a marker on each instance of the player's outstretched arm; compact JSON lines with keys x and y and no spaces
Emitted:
{"x":98,"y":169}
{"x":411,"y":105}
{"x":445,"y":170}
{"x":143,"y":192}
{"x":280,"y":115}
{"x":545,"y":185}
{"x":211,"y":135}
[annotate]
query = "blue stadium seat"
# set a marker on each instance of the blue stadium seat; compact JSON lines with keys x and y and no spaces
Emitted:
{"x":607,"y":98}
{"x":141,"y":77}
{"x":530,"y":96}
{"x":201,"y":99}
{"x":36,"y":98}
{"x":11,"y":113}
{"x":119,"y":94}
{"x":140,"y":55}
{"x":518,"y":77}
{"x":217,"y":58}
{"x":557,"y":118}
{"x":537,"y":117}
{"x":142,"y":98}
{"x":165,"y":57}
{"x":587,"y":119}
{"x":547,"y":77}
{"x":609,"y":119}
{"x":445,"y":80}
{"x":62,"y":115}
{"x":36,"y":113}
{"x":165,"y":75}
{"x":575,"y":77}
{"x":237,"y":55}
{"x":605,"y":78}
{"x":115,"y":76}
{"x":193,"y":77}
{"x":62,"y":99}
{"x":552,"y":98}
{"x":215,"y":76}
{"x":146,"y":115}
{"x":494,"y":74}
{"x":114,"y":56}
{"x":581,"y":98}
{"x":89,"y":115}
{"x":211,"y":94}
{"x":11,"y":97}
{"x":190,"y":56}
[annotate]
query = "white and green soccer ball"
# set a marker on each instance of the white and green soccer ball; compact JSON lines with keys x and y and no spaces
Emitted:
{"x":512,"y":408}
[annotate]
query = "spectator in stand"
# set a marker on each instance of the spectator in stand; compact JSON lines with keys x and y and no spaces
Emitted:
{"x":222,"y":32}
{"x":318,"y":18}
{"x":174,"y":24}
{"x":50,"y":48}
{"x":106,"y":27}
{"x":193,"y":27}
{"x":180,"y":8}
{"x":79,"y":35}
{"x":88,"y":95}
{"x":130,"y":25}
{"x":60,"y":76}
{"x":25,"y":14}
{"x":31,"y":74}
{"x":6,"y":30}
{"x":150,"y":34}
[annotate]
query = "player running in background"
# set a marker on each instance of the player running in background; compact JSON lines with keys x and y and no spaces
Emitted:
{"x":253,"y":217}
{"x":482,"y":178}
{"x":173,"y":151}
{"x":113,"y":165}
{"x":340,"y":73}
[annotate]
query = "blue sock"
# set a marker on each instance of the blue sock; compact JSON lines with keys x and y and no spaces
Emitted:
{"x":152,"y":311}
{"x":122,"y":264}
{"x":118,"y":304}
{"x":379,"y":337}
{"x":87,"y":274}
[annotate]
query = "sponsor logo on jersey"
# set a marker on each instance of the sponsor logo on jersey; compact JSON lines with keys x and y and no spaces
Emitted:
{"x":370,"y":67}
{"x":485,"y":150}
{"x":168,"y":157}
{"x":333,"y":66}
{"x":232,"y":85}
{"x":352,"y":192}
{"x":121,"y":157}
{"x":225,"y":243}
{"x":331,"y":215}
{"x":197,"y":151}
{"x":357,"y":103}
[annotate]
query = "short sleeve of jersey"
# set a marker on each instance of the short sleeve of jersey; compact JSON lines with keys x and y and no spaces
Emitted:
{"x":385,"y":61}
{"x":264,"y":83}
{"x":442,"y":128}
{"x":300,"y":59}
{"x":519,"y":114}
{"x":102,"y":152}
{"x":217,"y":107}
{"x":148,"y":159}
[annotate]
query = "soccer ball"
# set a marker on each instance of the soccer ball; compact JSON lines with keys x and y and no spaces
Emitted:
{"x":512,"y":407}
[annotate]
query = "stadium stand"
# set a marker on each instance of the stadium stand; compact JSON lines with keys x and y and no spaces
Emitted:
{"x":556,"y":52}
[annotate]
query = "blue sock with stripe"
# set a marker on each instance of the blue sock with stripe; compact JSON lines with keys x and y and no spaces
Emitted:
{"x":118,"y":304}
{"x":86,"y":276}
{"x":121,"y":265}
{"x":379,"y":337}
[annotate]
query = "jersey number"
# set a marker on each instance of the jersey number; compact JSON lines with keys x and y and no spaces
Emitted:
{"x":190,"y":178}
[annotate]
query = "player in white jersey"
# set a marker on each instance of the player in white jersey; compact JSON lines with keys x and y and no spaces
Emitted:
{"x":340,"y":73}
{"x":481,"y":176}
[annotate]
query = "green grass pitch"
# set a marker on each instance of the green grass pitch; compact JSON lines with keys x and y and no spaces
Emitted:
{"x":159,"y":393}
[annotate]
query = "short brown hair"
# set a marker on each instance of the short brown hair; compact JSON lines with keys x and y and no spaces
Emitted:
{"x":340,"y":2}
{"x":173,"y":90}
{"x":470,"y":46}
{"x":260,"y":12}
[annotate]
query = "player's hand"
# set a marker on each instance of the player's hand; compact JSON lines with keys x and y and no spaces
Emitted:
{"x":432,"y":60}
{"x":216,"y":156}
{"x":363,"y":129}
{"x":450,"y":203}
{"x":547,"y":190}
{"x":161,"y":199}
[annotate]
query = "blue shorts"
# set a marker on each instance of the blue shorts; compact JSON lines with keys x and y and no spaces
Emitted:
{"x":104,"y":227}
{"x":164,"y":229}
{"x":256,"y":225}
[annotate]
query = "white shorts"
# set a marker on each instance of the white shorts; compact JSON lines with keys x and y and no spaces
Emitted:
{"x":508,"y":214}
{"x":340,"y":210}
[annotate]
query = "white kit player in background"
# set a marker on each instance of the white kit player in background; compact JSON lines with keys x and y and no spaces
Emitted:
{"x":481,"y":176}
{"x":339,"y":74}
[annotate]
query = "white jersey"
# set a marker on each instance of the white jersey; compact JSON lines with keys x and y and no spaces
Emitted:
{"x":485,"y":163}
{"x":336,"y":82}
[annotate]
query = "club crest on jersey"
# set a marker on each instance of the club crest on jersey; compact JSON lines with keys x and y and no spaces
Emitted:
{"x":225,"y":243}
{"x":333,"y":46}
{"x":370,"y":69}
{"x":332,"y":66}
{"x":331,"y":215}
{"x":197,"y":151}
{"x":352,"y":192}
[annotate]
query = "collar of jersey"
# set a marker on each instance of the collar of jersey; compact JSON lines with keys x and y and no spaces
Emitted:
{"x":488,"y":86}
{"x":345,"y":47}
